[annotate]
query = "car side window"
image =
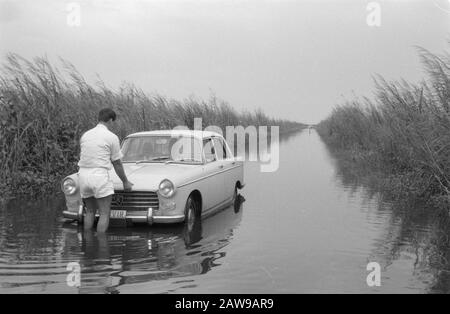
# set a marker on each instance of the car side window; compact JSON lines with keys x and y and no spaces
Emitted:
{"x":220,"y":148}
{"x":208,"y":148}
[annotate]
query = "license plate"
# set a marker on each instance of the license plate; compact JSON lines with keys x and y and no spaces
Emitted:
{"x":118,"y":214}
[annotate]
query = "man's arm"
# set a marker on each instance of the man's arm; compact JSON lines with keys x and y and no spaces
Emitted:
{"x":116,"y":155}
{"x":118,"y":167}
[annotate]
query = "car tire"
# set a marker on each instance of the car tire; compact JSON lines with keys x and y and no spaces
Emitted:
{"x":235,"y":193}
{"x":192,"y":224}
{"x":190,"y":213}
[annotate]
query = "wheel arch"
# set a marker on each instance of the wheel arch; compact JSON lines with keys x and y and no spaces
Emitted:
{"x":197,"y":196}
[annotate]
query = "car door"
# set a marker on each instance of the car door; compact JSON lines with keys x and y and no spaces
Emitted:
{"x":228,"y":166}
{"x":213,"y":175}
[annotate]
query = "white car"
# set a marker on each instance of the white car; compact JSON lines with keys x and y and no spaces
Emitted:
{"x":178,"y":175}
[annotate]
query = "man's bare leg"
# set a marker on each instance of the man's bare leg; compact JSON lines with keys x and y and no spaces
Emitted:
{"x":104,"y":207}
{"x":103,"y":246}
{"x":91,"y":207}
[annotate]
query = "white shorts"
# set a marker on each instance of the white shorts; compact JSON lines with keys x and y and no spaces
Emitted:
{"x":95,"y":182}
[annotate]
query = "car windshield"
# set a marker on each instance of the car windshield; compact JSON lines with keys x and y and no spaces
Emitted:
{"x":162,"y":149}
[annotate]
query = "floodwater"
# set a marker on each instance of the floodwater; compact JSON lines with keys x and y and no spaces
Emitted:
{"x":307,"y":228}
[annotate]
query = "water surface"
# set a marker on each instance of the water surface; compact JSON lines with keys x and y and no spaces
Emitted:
{"x":309,"y":227}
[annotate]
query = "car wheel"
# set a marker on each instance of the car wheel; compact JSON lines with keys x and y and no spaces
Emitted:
{"x":193,"y":223}
{"x":235,"y":193}
{"x":190,"y":213}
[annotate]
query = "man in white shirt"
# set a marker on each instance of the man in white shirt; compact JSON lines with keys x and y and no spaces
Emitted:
{"x":100,"y":151}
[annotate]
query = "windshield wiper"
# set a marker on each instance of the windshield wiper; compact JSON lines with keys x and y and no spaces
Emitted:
{"x":141,"y":161}
{"x":183,"y":161}
{"x":160,"y":158}
{"x":153,"y":159}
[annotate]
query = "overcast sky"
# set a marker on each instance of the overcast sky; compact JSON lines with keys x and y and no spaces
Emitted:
{"x":293,"y":59}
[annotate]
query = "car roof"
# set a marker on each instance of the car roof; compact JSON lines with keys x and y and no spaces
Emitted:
{"x":188,"y":133}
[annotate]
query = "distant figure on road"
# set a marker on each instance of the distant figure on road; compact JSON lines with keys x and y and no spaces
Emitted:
{"x":100,"y":150}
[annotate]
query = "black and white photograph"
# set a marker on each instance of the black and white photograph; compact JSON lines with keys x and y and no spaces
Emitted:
{"x":224,"y":152}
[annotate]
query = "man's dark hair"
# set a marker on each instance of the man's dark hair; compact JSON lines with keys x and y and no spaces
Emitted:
{"x":106,"y":114}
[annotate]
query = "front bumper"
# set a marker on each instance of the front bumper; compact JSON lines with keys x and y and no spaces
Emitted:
{"x":148,"y":219}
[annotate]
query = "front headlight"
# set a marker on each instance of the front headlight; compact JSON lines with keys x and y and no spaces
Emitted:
{"x":166,"y":188}
{"x":69,"y":187}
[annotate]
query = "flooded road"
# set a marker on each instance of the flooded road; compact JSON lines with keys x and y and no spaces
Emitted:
{"x":307,"y":228}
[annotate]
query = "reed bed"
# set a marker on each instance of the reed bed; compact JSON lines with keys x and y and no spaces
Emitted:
{"x":45,"y":109}
{"x":403,"y":131}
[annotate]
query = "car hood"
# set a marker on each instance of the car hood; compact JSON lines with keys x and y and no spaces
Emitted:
{"x":148,"y":176}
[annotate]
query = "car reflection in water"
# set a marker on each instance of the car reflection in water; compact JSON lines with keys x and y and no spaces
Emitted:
{"x":129,"y":256}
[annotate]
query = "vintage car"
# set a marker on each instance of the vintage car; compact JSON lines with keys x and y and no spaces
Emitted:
{"x":178,"y":176}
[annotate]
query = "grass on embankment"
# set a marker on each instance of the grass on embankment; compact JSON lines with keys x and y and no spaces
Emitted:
{"x":404,"y":132}
{"x":44,"y":110}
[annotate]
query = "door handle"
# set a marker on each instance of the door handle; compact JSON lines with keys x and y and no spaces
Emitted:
{"x":221,"y":166}
{"x":233,"y":163}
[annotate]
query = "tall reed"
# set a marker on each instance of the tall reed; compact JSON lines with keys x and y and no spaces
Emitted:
{"x":404,"y":130}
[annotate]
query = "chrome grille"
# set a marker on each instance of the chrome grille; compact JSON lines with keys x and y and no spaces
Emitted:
{"x":135,"y":201}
